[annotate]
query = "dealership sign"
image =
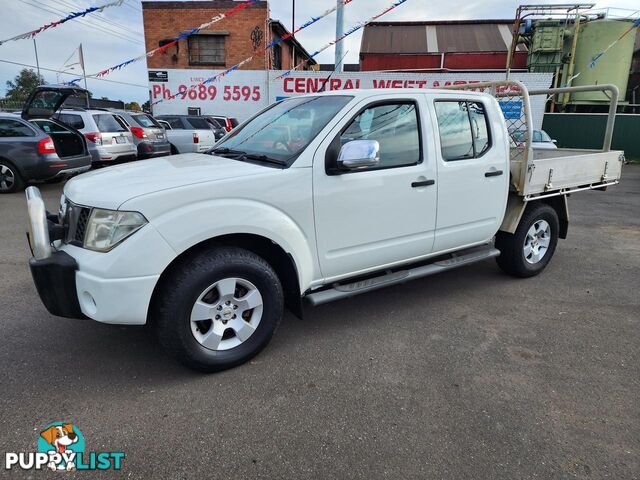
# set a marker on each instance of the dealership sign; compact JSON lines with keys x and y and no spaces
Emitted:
{"x":245,"y":92}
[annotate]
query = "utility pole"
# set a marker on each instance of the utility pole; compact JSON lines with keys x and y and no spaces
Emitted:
{"x":293,"y":27}
{"x":35,"y":48}
{"x":339,"y":32}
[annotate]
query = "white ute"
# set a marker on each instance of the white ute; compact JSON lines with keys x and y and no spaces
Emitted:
{"x":318,"y":197}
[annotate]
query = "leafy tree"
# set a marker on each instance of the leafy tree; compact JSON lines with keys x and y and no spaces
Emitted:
{"x":23,"y":84}
{"x":146,"y":106}
{"x":135,"y":106}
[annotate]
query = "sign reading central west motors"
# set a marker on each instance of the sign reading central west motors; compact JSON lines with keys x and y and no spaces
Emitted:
{"x":242,"y":93}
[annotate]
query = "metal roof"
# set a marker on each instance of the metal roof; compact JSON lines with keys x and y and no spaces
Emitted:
{"x":465,"y":36}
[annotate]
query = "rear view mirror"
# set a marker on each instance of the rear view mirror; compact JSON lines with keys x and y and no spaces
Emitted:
{"x":359,"y":154}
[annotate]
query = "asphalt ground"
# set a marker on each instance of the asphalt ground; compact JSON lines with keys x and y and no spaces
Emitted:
{"x":467,"y":375}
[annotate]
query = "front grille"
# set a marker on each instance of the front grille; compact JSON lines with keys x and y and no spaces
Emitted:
{"x":81,"y":225}
{"x":75,"y":222}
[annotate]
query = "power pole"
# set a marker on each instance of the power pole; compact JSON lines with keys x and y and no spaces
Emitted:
{"x":293,"y":27}
{"x":339,"y":32}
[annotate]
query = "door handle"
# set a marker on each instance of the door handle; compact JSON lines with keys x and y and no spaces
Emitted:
{"x":493,"y":173}
{"x":423,"y":183}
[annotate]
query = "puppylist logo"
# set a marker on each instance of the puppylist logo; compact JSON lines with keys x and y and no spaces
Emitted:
{"x":61,"y":447}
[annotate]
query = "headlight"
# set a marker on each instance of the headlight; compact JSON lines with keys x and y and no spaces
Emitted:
{"x":107,"y":228}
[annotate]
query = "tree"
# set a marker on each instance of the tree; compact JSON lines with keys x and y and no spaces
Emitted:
{"x":23,"y":84}
{"x":135,"y":106}
{"x":146,"y":106}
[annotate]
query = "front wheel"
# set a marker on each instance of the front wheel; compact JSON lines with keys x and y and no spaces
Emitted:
{"x":527,"y":252}
{"x":218,"y":309}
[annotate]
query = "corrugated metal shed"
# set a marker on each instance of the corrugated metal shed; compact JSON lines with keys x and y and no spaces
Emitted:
{"x":415,"y":38}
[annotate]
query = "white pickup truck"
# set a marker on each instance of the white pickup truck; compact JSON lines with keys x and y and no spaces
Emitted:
{"x":187,"y":134}
{"x":318,"y":197}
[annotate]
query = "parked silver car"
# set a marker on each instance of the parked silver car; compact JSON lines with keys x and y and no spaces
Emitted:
{"x":112,"y":140}
{"x":148,"y":135}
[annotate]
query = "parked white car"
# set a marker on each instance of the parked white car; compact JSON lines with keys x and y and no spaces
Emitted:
{"x":318,"y":197}
{"x":539,"y":140}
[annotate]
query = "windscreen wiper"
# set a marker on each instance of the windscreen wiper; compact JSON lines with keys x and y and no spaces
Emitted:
{"x":264,"y":158}
{"x":227,"y":151}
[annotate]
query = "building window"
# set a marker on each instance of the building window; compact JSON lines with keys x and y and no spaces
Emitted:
{"x":277,"y":57}
{"x":206,"y":50}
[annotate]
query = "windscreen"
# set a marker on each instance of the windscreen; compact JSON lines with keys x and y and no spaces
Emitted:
{"x":108,"y":123}
{"x":146,"y":121}
{"x":286,"y":128}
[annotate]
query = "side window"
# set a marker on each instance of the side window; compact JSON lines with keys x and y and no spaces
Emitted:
{"x":14,"y":128}
{"x":74,"y":121}
{"x":396,"y":128}
{"x":176,"y":123}
{"x":464,"y":130}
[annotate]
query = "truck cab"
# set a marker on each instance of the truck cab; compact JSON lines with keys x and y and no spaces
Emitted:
{"x":316,"y":198}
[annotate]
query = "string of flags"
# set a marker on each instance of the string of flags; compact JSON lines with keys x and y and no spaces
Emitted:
{"x":71,"y":16}
{"x":221,"y":16}
{"x":259,"y":52}
{"x":352,"y":30}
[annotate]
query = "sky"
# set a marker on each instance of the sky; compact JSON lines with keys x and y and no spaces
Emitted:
{"x":117,"y":34}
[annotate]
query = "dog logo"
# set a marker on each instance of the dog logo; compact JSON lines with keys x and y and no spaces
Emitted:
{"x":63,"y":439}
{"x":61,"y":447}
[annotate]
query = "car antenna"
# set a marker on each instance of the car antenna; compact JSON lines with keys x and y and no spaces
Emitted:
{"x":324,"y":84}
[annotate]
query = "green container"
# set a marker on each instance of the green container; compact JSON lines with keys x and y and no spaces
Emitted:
{"x":613,"y":67}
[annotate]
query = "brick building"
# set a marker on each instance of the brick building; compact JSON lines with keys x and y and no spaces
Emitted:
{"x":226,"y":43}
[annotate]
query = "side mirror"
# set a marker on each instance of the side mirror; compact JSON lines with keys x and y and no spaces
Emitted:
{"x":554,"y":141}
{"x":359,"y":154}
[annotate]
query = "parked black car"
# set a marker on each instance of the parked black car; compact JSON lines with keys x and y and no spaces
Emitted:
{"x":35,"y":147}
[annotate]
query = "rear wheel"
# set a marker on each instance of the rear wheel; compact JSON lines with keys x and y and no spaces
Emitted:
{"x":10,"y":179}
{"x":219,"y":309}
{"x":527,"y":252}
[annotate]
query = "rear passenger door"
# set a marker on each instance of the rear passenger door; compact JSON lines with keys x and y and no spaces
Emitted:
{"x":473,"y":171}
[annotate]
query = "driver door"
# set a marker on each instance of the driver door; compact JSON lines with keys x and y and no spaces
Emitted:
{"x":377,"y":216}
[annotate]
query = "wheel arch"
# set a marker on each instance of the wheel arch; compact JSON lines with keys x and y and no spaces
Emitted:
{"x":516,"y":207}
{"x":281,"y":261}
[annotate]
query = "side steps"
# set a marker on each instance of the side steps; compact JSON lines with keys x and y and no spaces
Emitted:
{"x":339,"y":291}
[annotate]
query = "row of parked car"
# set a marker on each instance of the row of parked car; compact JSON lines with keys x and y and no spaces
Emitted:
{"x":48,"y":142}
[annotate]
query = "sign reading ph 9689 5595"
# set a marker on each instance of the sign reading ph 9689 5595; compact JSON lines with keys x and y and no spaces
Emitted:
{"x":240,"y":94}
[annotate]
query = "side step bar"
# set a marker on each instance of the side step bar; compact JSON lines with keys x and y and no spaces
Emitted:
{"x":340,"y":291}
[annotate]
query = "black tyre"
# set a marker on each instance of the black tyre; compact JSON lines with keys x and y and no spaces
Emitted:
{"x":10,"y":179}
{"x":218,"y":309}
{"x":527,"y":252}
{"x":174,"y":150}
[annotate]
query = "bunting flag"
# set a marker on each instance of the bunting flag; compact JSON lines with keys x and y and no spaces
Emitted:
{"x":71,"y":16}
{"x":634,"y":25}
{"x":221,"y":16}
{"x":261,"y":51}
{"x":351,"y":31}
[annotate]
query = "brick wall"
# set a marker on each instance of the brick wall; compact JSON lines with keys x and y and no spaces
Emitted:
{"x":166,"y":20}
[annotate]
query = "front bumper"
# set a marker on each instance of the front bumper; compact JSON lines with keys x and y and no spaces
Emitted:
{"x":55,"y":280}
{"x":75,"y":282}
